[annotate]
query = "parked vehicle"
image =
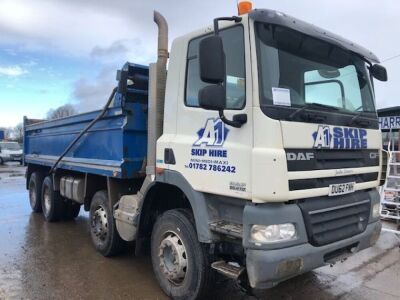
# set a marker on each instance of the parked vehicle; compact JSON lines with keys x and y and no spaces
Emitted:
{"x":10,"y":151}
{"x":257,"y":156}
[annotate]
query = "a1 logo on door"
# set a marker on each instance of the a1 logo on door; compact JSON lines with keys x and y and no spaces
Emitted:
{"x":213,"y":134}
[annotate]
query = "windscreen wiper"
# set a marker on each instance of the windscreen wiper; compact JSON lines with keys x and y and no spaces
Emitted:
{"x":355,"y":119}
{"x":310,"y":105}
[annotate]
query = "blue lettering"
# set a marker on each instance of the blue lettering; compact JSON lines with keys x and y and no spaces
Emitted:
{"x":348,"y":133}
{"x":355,"y":144}
{"x":363,"y":134}
{"x":364,"y":144}
{"x":217,"y":153}
{"x":337,"y":132}
{"x":199,"y":152}
{"x":386,"y":123}
{"x":338,"y":143}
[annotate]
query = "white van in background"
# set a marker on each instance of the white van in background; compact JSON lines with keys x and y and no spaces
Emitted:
{"x":10,"y":151}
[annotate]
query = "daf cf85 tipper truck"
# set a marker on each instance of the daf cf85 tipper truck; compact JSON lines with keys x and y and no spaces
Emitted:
{"x":256,"y":156}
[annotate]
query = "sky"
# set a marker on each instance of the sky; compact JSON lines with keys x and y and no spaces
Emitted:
{"x":54,"y":52}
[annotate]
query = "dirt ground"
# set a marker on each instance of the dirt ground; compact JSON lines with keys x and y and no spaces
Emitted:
{"x":39,"y":260}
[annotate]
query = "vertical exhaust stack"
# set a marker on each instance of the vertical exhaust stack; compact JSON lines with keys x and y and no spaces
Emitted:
{"x":161,"y":70}
{"x":157,"y":85}
{"x":128,"y":207}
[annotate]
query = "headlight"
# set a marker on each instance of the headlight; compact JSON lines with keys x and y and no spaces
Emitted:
{"x":273,"y":233}
{"x":376,"y":210}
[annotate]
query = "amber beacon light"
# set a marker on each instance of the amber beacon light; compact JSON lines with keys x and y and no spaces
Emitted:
{"x":244,"y":6}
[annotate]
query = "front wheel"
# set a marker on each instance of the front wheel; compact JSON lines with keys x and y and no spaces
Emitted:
{"x":180,"y":262}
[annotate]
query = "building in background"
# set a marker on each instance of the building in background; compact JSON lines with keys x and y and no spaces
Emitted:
{"x":389,"y":122}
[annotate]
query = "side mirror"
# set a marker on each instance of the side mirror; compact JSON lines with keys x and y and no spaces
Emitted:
{"x":213,"y":97}
{"x":212,"y":60}
{"x":212,"y":65}
{"x":379,"y":72}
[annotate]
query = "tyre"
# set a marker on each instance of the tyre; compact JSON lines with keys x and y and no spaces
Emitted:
{"x":72,"y":210}
{"x":103,"y":230}
{"x":52,"y":203}
{"x":35,"y":192}
{"x":1,"y":161}
{"x":180,"y":262}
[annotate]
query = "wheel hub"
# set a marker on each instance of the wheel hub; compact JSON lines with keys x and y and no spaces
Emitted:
{"x":47,"y":201}
{"x":173,"y":259}
{"x":100,"y":223}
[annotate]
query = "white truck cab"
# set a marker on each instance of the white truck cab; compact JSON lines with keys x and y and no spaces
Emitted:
{"x":294,"y":177}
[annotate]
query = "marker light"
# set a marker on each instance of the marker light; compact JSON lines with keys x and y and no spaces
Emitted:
{"x":244,"y":6}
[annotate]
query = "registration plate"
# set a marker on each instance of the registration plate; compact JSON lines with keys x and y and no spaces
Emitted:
{"x":341,"y":188}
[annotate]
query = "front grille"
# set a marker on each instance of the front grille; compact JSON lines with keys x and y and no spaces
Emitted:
{"x":314,"y":183}
{"x":324,"y":159}
{"x":330,"y":219}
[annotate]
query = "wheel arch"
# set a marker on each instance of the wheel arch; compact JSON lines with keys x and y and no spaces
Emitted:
{"x":172,"y":193}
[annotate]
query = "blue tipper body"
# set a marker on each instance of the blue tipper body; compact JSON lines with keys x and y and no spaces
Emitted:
{"x":115,"y":146}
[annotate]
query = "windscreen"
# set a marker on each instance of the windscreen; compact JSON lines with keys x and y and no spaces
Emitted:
{"x":296,"y":70}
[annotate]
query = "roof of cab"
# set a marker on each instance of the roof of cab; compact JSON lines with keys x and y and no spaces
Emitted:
{"x":282,"y":19}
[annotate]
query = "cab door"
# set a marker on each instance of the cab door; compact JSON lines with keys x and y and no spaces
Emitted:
{"x":212,"y":156}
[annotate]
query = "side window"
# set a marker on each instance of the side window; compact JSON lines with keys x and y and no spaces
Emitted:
{"x":233,"y":41}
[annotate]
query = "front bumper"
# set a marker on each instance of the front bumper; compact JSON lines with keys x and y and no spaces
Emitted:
{"x":267,"y":268}
{"x":269,"y":264}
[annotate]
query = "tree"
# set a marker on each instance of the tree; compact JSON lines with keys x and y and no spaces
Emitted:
{"x":61,"y":112}
{"x":18,"y":133}
{"x":15,"y":134}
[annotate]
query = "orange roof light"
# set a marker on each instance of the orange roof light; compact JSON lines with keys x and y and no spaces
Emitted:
{"x":244,"y":6}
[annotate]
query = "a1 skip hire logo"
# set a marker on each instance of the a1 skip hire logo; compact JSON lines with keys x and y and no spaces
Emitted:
{"x":213,"y":134}
{"x":329,"y":137}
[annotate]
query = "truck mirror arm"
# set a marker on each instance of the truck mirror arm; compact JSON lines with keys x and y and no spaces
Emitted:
{"x":237,"y":122}
{"x":240,"y":119}
{"x":216,"y":20}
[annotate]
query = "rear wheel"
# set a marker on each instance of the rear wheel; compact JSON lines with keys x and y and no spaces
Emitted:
{"x":103,"y":230}
{"x":35,"y":192}
{"x":180,"y":262}
{"x":52,"y":203}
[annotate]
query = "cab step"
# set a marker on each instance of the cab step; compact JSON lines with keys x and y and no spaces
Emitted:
{"x":227,"y":228}
{"x":228,"y":269}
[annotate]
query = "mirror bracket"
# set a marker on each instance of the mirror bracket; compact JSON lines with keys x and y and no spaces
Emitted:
{"x":237,"y":122}
{"x":240,"y":119}
{"x":216,"y":20}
